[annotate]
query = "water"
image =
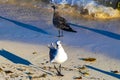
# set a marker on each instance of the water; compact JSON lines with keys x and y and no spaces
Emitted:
{"x":72,"y":2}
{"x":112,"y":3}
{"x":94,"y":8}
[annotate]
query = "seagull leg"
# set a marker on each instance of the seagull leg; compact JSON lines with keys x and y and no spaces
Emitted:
{"x":60,"y":68}
{"x":58,"y":72}
{"x":56,"y":69}
{"x":62,"y":33}
{"x":59,"y":33}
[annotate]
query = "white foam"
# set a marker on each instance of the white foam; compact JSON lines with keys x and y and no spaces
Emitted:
{"x":94,"y":9}
{"x":100,"y":10}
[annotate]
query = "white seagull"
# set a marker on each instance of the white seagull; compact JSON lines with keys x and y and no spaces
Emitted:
{"x":57,"y":55}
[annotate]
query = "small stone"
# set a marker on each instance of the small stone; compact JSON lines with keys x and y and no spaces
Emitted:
{"x":42,"y":63}
{"x":86,"y":74}
{"x":34,"y":53}
{"x":8,"y":72}
{"x":115,"y":71}
{"x":70,"y":69}
{"x":82,"y":68}
{"x":43,"y":75}
{"x":47,"y":61}
{"x":78,"y":78}
{"x":45,"y":67}
{"x":1,"y":70}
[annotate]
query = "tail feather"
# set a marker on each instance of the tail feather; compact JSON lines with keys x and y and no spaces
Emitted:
{"x":73,"y":31}
{"x":68,"y":28}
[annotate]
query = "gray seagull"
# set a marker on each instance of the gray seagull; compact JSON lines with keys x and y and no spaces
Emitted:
{"x":60,"y":23}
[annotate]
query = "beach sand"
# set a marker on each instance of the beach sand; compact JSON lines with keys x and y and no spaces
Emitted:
{"x":25,"y":33}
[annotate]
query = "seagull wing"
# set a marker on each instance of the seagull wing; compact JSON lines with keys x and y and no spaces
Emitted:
{"x":52,"y":53}
{"x":61,"y":23}
{"x":58,"y":20}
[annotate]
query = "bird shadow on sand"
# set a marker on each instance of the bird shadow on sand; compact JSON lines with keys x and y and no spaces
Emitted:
{"x":105,"y":72}
{"x":102,"y":32}
{"x":27,"y":26}
{"x":13,"y":58}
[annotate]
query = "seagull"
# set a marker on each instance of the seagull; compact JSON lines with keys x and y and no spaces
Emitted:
{"x":57,"y":55}
{"x":60,"y":23}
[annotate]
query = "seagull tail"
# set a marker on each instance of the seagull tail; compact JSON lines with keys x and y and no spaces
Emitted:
{"x":71,"y":30}
{"x":68,"y":28}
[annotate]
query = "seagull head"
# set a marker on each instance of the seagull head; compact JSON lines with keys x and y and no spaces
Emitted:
{"x":58,"y":42}
{"x":53,"y":6}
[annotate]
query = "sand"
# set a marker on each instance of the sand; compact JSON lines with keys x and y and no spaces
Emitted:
{"x":25,"y":33}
